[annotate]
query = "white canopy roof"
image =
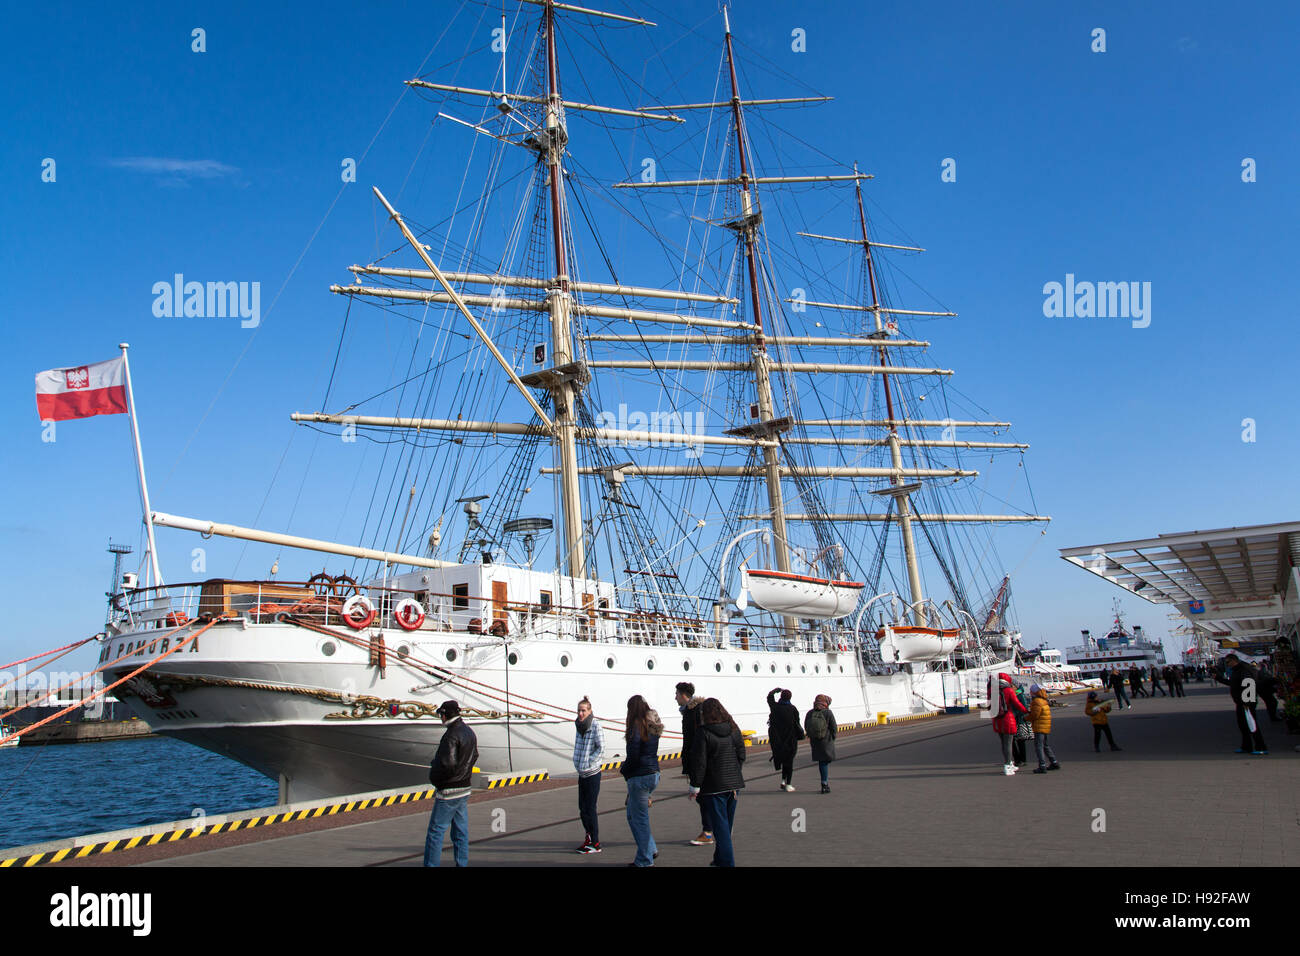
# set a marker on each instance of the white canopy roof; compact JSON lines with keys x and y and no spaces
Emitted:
{"x":1237,"y":585}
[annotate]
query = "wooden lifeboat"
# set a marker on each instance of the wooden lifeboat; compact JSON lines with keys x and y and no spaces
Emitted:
{"x":798,"y":595}
{"x":901,"y":644}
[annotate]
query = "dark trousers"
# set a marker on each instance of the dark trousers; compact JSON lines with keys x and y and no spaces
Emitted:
{"x":722,"y":811}
{"x":588,"y":795}
{"x":1097,"y":731}
{"x":1044,"y":750}
{"x":1270,"y":701}
{"x":1017,"y":750}
{"x":1138,"y":691}
{"x":1155,"y":686}
{"x":1249,"y":740}
{"x":1177,"y":689}
{"x":784,"y":760}
{"x":1120,"y":697}
{"x":706,"y":815}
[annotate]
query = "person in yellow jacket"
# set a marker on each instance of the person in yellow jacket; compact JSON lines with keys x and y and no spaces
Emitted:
{"x":1100,"y":714}
{"x":1040,"y":717}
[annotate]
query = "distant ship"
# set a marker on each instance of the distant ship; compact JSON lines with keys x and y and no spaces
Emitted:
{"x":1121,"y":647}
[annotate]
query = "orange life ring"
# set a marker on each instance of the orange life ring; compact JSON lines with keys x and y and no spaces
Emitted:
{"x":352,"y":605}
{"x":175,"y":619}
{"x":409,"y":615}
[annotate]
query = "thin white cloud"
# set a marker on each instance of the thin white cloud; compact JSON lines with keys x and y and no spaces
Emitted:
{"x":176,"y":169}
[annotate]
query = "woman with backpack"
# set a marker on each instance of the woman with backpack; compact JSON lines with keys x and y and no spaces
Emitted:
{"x":819,"y":725}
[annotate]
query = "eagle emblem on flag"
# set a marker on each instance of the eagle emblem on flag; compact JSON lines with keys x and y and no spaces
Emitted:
{"x":77,"y":377}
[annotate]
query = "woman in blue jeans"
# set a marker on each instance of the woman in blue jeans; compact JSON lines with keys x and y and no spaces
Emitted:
{"x":717,"y":751}
{"x":641,"y":769}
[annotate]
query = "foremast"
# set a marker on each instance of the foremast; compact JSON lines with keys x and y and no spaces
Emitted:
{"x":747,"y":225}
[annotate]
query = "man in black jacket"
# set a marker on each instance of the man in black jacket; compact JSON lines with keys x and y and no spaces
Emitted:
{"x":689,"y":705}
{"x":1243,"y":682}
{"x":451,"y":772}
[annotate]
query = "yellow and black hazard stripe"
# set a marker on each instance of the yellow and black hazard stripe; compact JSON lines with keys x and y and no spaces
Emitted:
{"x":230,"y":826}
{"x":618,"y":763}
{"x":514,"y":781}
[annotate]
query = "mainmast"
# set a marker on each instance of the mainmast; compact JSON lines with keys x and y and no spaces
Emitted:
{"x":898,"y":490}
{"x":563,"y":387}
{"x":750,"y":217}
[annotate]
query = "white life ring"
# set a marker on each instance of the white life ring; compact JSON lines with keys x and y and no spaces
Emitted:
{"x":409,"y":614}
{"x":350,"y":608}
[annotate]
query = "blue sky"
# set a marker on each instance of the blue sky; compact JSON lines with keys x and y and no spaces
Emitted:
{"x":1115,"y":166}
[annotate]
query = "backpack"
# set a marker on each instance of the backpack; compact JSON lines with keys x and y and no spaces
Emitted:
{"x":817,"y":729}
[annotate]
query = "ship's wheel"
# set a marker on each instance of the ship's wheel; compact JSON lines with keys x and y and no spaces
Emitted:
{"x":345,"y":586}
{"x":321,"y":583}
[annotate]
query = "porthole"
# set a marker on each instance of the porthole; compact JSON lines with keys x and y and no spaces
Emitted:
{"x":403,"y":651}
{"x":755,"y":668}
{"x":451,"y":653}
{"x":564,"y":660}
{"x":738,"y":667}
{"x":686,"y":665}
{"x":841,"y":668}
{"x":328,"y":648}
{"x":609,"y":662}
{"x":513,"y":658}
{"x":717,"y":666}
{"x":773,"y":668}
{"x":788,"y":668}
{"x":650,"y":663}
{"x":817,"y":668}
{"x":803,"y":668}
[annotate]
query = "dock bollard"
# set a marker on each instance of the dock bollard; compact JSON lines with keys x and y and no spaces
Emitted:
{"x":882,"y":717}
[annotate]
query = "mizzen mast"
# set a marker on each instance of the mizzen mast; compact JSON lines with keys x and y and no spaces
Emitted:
{"x":564,"y":384}
{"x":898,"y":490}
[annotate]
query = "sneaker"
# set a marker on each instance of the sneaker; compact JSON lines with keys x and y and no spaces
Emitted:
{"x":1240,"y":751}
{"x":789,"y":788}
{"x":586,"y":842}
{"x":1040,"y":770}
{"x":704,"y":839}
{"x":1053,"y":766}
{"x":826,"y":788}
{"x":1259,"y":753}
{"x":1114,"y":749}
{"x":1008,"y":769}
{"x":590,"y":848}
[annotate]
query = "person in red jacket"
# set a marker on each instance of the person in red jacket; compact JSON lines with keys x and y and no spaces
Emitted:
{"x":1004,"y":723}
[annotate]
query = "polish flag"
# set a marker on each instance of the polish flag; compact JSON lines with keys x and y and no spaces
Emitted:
{"x":82,"y":391}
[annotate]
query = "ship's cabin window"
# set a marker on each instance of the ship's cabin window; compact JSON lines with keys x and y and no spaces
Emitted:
{"x":603,"y":604}
{"x":460,"y":596}
{"x":545,"y":601}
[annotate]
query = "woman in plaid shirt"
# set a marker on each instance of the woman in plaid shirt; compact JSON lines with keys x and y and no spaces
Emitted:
{"x":588,"y":749}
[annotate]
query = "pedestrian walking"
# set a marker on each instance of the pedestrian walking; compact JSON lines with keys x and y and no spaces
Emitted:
{"x":1024,"y":731}
{"x":1155,"y":682}
{"x":1135,"y":681}
{"x":641,"y":770}
{"x":1100,"y":714}
{"x":451,"y":772}
{"x":689,"y":706}
{"x":1117,"y":685}
{"x":783,"y":734}
{"x":819,"y":725}
{"x":588,"y":749}
{"x":1174,"y":678}
{"x":1243,"y":681}
{"x":1004,"y":721}
{"x":717,"y":751}
{"x":1040,"y":715}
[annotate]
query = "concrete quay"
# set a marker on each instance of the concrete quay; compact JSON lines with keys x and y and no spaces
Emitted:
{"x":926,"y":793}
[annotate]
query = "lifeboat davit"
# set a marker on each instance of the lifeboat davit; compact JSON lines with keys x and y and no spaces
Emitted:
{"x":900,"y":644}
{"x":798,"y":595}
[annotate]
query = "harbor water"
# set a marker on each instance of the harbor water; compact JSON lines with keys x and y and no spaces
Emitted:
{"x":51,"y":792}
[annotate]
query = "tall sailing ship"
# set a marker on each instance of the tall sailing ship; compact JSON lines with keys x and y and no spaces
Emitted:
{"x":769,"y":514}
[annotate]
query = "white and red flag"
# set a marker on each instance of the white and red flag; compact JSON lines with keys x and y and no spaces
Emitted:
{"x":82,"y":391}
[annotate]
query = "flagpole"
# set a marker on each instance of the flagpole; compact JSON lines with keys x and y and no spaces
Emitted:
{"x":139,"y":464}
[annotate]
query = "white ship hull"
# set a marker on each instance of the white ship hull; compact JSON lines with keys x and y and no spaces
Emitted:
{"x":269,"y":696}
